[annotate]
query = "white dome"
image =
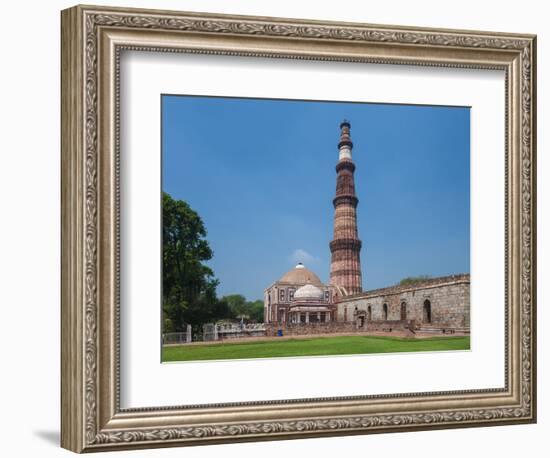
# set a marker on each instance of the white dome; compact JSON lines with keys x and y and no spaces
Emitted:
{"x":309,"y":292}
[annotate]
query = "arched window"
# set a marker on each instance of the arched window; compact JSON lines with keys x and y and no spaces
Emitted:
{"x":385,"y":312}
{"x":369,"y":313}
{"x":427,"y":312}
{"x":403,"y":311}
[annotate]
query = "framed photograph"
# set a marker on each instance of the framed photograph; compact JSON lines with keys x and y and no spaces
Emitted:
{"x":277,"y":228}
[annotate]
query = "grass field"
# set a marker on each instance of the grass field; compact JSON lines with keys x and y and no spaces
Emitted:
{"x":341,"y":345}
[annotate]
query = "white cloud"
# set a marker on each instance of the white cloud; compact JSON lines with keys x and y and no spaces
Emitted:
{"x":301,"y":255}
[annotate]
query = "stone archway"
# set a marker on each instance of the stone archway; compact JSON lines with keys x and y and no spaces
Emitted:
{"x":427,"y":312}
{"x":360,"y":318}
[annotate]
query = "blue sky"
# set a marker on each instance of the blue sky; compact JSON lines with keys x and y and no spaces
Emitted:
{"x":261,"y":175}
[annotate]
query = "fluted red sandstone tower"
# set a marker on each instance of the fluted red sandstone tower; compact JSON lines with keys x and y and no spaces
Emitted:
{"x":345,"y":266}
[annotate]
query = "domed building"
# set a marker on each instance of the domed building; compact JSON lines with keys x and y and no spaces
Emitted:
{"x":298,"y":296}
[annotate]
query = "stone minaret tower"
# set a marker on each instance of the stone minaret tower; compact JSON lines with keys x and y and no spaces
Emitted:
{"x":345,"y":266}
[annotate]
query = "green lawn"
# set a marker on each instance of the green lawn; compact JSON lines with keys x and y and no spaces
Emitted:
{"x":341,"y":345}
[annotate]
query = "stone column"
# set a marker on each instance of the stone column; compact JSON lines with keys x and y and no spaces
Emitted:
{"x":307,"y":317}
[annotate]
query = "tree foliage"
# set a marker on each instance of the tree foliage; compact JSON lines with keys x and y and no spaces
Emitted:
{"x":188,"y":284}
{"x":257,"y":311}
{"x":243,"y":309}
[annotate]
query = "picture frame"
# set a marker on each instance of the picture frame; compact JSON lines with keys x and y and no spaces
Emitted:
{"x":93,"y":39}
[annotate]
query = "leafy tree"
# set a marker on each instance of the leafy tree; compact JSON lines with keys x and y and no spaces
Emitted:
{"x":414,"y":280}
{"x":237,"y":304}
{"x":221,"y":310}
{"x":241,"y":308}
{"x":256,"y":311}
{"x":188,"y":285}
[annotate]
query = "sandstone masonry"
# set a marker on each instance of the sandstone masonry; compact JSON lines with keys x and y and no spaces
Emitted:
{"x":442,"y":302}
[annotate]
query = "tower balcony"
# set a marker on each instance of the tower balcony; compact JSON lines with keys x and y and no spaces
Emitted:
{"x":345,"y":244}
{"x":345,"y":199}
{"x":345,"y":164}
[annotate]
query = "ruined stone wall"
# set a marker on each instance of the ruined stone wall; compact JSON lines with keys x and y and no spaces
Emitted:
{"x":338,"y":327}
{"x":448,"y":298}
{"x":302,"y":329}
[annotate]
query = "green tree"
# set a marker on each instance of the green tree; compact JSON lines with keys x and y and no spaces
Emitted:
{"x":256,"y":311}
{"x":241,"y":308}
{"x":237,"y":304}
{"x":188,"y":285}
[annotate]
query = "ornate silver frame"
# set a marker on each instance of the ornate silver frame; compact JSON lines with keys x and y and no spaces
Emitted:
{"x":92,"y":39}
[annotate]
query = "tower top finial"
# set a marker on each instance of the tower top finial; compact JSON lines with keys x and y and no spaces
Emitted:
{"x":345,"y":122}
{"x":345,"y":139}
